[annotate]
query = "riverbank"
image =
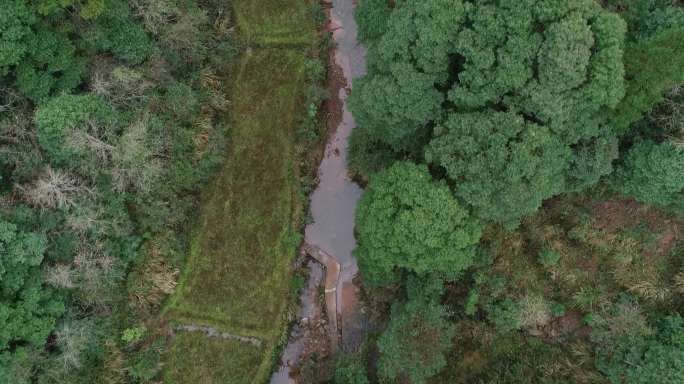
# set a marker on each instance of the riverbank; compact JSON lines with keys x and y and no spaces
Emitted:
{"x":238,"y":274}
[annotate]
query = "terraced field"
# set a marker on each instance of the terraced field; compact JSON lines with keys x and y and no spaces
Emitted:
{"x":237,"y":275}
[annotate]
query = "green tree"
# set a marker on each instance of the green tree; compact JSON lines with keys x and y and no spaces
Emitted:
{"x":68,"y":124}
{"x":652,"y":173}
{"x":16,"y":19}
{"x":87,"y":9}
{"x":28,"y":311}
{"x":541,"y":75}
{"x":116,"y":31}
{"x":372,"y":15}
{"x":638,"y":359}
{"x":503,"y":166}
{"x":654,"y":56}
{"x":415,"y":341}
{"x":50,"y":66}
{"x":350,"y":369}
{"x":654,"y":65}
{"x":405,"y":220}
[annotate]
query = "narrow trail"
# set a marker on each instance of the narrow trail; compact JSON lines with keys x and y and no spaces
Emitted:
{"x":213,"y":332}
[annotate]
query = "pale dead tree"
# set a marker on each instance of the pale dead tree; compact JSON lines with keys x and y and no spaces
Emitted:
{"x":534,"y":312}
{"x":119,"y":84}
{"x":155,"y":14}
{"x":135,"y":158}
{"x":60,"y":276}
{"x":91,"y":139}
{"x":53,"y":189}
{"x":100,"y":84}
{"x":84,"y":217}
{"x":72,"y":338}
{"x":671,"y":115}
{"x":95,"y":271}
{"x":181,"y":35}
{"x":9,"y":99}
{"x":679,"y":283}
{"x":17,"y":127}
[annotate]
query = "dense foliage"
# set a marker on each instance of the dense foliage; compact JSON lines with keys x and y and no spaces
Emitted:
{"x":412,"y":347}
{"x":407,"y":221}
{"x":510,"y":71}
{"x":558,"y":125}
{"x":653,"y":173}
{"x":109,"y":121}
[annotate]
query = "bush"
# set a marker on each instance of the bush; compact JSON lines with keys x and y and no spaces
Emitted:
{"x":415,"y":341}
{"x":635,"y":359}
{"x":652,"y":173}
{"x":548,"y":257}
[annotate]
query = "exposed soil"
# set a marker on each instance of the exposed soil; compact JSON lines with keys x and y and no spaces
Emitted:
{"x":564,"y":327}
{"x":615,"y":215}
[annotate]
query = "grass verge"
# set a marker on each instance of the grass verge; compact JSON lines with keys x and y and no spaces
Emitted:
{"x":195,"y":358}
{"x":277,"y":22}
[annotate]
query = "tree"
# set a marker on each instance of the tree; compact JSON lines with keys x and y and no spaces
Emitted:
{"x":16,"y":19}
{"x":88,"y":9}
{"x":68,"y":124}
{"x":415,"y":341}
{"x":654,"y":56}
{"x":116,"y":31}
{"x":372,"y":16}
{"x":504,"y":166}
{"x":28,"y":311}
{"x":547,"y":71}
{"x":50,"y":66}
{"x":653,"y":173}
{"x":405,"y":220}
{"x":653,"y":66}
{"x":639,"y":359}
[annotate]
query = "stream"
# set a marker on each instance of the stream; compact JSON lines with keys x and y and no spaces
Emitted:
{"x":332,"y":207}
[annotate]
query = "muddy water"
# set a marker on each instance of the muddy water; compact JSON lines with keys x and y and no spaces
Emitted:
{"x":334,"y":201}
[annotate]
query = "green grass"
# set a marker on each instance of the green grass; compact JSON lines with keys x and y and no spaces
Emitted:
{"x":195,"y":358}
{"x":238,"y":273}
{"x":276,"y":22}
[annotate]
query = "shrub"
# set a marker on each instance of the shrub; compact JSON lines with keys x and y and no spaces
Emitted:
{"x":652,"y":173}
{"x":350,"y":369}
{"x":414,"y":343}
{"x":548,"y":257}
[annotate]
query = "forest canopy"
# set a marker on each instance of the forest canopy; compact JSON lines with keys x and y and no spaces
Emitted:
{"x":557,"y":129}
{"x":540,"y":76}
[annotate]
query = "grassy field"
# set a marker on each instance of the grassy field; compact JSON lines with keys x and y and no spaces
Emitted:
{"x":198,"y":359}
{"x":276,"y":22}
{"x":238,"y":273}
